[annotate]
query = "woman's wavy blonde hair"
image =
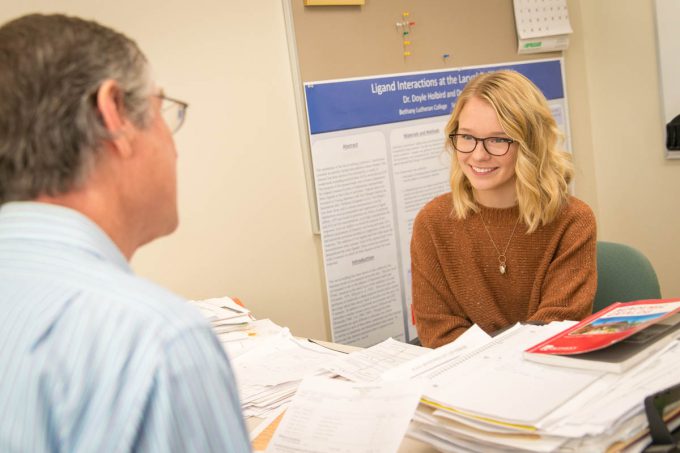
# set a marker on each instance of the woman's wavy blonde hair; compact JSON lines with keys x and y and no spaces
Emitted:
{"x":543,"y":170}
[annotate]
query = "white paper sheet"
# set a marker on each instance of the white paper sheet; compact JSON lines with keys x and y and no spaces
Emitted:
{"x":494,"y":380}
{"x":221,"y":308}
{"x":473,"y":337}
{"x":420,"y":169}
{"x":368,"y":364}
{"x":336,"y":416}
{"x":257,"y":332}
{"x":283,"y":359}
{"x":427,"y":365}
{"x":359,"y":245}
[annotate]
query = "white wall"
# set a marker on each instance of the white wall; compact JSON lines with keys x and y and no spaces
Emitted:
{"x":245,"y":227}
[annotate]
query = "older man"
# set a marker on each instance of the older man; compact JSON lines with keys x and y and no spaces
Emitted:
{"x":92,"y":357}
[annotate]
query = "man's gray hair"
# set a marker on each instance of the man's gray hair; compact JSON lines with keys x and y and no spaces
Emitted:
{"x":51,"y":68}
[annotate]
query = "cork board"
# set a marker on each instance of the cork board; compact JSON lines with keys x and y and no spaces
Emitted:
{"x":355,"y":41}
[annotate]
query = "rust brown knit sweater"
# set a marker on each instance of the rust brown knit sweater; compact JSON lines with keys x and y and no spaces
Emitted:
{"x":551,"y":273}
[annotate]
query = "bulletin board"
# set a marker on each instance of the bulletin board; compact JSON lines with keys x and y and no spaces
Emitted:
{"x":335,"y":42}
{"x":351,"y":41}
{"x":372,"y":111}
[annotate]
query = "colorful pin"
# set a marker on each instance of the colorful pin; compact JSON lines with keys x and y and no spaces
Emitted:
{"x":405,"y":27}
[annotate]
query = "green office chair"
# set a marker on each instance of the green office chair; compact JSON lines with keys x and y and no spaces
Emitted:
{"x":623,"y":275}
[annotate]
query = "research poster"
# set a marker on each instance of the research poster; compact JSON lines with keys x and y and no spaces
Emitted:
{"x":378,"y":152}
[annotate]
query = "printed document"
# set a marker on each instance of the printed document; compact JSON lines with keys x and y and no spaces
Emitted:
{"x":367,"y":365}
{"x":495,"y":381}
{"x":428,"y":365}
{"x":329,"y":415}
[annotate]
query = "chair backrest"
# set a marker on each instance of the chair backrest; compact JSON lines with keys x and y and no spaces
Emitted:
{"x":623,"y":274}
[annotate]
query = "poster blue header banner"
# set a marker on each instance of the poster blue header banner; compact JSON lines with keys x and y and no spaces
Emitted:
{"x":350,"y":104}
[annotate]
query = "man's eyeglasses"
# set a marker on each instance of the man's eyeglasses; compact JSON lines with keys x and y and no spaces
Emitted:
{"x":466,"y":143}
{"x":173,"y":111}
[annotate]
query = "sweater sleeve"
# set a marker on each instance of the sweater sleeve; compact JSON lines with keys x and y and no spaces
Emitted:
{"x":571,"y":279}
{"x":439,"y":319}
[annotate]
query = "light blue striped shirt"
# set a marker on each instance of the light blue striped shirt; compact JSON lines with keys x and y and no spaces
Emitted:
{"x":94,"y":358}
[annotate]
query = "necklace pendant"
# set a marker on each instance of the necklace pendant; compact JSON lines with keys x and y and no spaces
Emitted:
{"x":502,"y":269}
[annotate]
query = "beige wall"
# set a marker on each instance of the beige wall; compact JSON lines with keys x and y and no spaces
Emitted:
{"x":245,"y":227}
{"x":618,"y":131}
{"x":245,"y":221}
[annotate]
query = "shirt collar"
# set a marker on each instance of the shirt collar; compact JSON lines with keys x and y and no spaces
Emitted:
{"x":58,"y":224}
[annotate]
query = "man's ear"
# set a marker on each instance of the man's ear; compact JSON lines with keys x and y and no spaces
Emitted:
{"x":111,"y":108}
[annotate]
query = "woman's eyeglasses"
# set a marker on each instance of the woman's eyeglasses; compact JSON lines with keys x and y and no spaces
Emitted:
{"x":466,"y":143}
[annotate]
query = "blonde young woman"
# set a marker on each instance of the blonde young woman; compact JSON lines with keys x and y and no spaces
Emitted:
{"x":508,"y":243}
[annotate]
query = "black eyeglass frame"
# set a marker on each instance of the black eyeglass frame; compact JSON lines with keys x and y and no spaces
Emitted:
{"x":509,"y":141}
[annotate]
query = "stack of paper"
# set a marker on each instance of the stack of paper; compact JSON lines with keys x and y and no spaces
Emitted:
{"x":269,"y":374}
{"x":371,"y":415}
{"x":488,"y":397}
{"x":224,"y":314}
{"x":234,"y":325}
{"x":241,"y":341}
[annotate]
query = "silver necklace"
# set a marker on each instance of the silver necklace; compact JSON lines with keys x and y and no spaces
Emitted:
{"x":502,"y":260}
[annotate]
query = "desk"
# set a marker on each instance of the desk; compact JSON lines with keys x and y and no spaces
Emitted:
{"x":408,"y":445}
{"x":603,"y":428}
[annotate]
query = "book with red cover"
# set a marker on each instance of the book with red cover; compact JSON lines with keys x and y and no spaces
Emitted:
{"x":613,"y":339}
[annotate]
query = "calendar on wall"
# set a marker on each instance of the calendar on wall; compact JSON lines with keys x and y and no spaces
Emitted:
{"x":542,"y":25}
